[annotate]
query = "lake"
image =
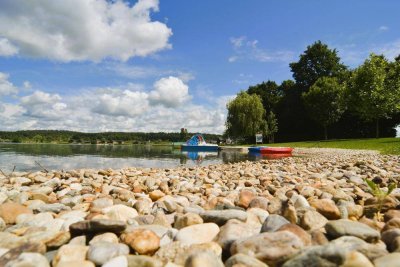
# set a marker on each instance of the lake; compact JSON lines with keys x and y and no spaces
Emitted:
{"x":30,"y":157}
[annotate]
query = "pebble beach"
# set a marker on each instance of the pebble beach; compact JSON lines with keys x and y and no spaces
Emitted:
{"x":314,"y":209}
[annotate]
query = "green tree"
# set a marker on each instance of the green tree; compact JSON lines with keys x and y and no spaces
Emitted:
{"x":269,"y":92}
{"x":245,"y":116}
{"x":183,"y":135}
{"x":271,"y":127}
{"x":325,"y":102}
{"x":374,"y":89}
{"x":316,"y":62}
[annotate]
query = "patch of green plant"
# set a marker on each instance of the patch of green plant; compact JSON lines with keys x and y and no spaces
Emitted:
{"x":380,"y":195}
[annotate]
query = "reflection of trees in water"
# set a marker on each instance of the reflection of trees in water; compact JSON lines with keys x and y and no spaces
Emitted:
{"x":117,"y":151}
{"x":232,"y":156}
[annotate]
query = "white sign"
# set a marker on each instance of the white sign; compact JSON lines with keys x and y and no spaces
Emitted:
{"x":259,"y":138}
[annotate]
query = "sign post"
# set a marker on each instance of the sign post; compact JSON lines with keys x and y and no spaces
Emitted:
{"x":259,"y":138}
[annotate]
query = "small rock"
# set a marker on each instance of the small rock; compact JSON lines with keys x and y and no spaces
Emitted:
{"x":245,"y":197}
{"x":96,"y":226}
{"x":392,"y":224}
{"x":120,"y":213}
{"x":10,"y":211}
{"x":220,"y":217}
{"x":312,"y":220}
{"x":242,"y":260}
{"x":68,"y":253}
{"x":143,"y":241}
{"x":327,"y":208}
{"x":259,"y":202}
{"x":81,"y":263}
{"x":106,"y":237}
{"x":273,"y":223}
{"x":270,"y":248}
{"x":356,"y":259}
{"x":120,"y":261}
{"x":234,"y":230}
{"x":156,"y":195}
{"x":187,"y":219}
{"x":28,"y":259}
{"x":198,"y":233}
{"x":298,"y":231}
{"x":203,"y":259}
{"x":101,"y":252}
{"x":140,"y":260}
{"x":343,"y":227}
{"x":390,"y":260}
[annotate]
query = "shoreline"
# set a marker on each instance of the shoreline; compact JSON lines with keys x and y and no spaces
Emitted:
{"x":312,"y":207}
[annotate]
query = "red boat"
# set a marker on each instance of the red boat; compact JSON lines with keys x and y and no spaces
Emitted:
{"x":271,"y":150}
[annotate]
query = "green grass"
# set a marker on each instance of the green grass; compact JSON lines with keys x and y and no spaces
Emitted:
{"x":384,"y":145}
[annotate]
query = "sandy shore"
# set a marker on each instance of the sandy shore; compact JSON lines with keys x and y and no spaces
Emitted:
{"x":310,"y":210}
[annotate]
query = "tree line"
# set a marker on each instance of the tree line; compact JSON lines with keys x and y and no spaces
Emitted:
{"x":58,"y":136}
{"x":325,"y":99}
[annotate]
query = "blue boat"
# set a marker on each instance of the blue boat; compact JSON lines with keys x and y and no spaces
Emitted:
{"x":198,"y":143}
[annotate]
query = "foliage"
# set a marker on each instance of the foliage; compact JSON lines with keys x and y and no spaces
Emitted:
{"x":245,"y":116}
{"x":379,"y":194}
{"x":269,"y":92}
{"x":316,"y":62}
{"x":184,"y":134}
{"x":271,"y":127}
{"x":374,"y":89}
{"x":325,"y":102}
{"x":55,"y":136}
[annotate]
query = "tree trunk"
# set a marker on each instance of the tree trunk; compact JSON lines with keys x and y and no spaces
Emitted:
{"x":326,"y":132}
{"x":377,"y":128}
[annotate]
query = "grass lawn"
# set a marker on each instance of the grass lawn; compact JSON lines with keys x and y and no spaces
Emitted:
{"x":384,"y":145}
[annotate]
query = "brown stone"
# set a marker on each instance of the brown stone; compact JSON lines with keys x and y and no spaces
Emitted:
{"x":259,"y":202}
{"x":390,"y":214}
{"x":156,"y":195}
{"x":245,"y":197}
{"x":144,"y":242}
{"x":297,"y":230}
{"x":10,"y":211}
{"x":12,"y":254}
{"x":392,"y":224}
{"x":327,"y":208}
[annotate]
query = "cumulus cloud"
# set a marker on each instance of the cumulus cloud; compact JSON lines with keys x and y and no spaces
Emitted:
{"x":78,"y":30}
{"x":6,"y":48}
{"x":170,"y":92}
{"x":126,"y":103}
{"x":245,"y":49}
{"x":6,"y":87}
{"x":164,"y":107}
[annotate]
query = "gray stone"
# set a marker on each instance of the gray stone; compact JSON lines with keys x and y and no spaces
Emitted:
{"x":139,"y":261}
{"x":318,"y":256}
{"x":244,"y":260}
{"x":234,"y":230}
{"x":28,"y":259}
{"x":203,"y":259}
{"x":271,"y":248}
{"x":312,"y":220}
{"x":351,"y":243}
{"x":390,"y":260}
{"x":343,"y":227}
{"x":220,"y":217}
{"x":101,"y":252}
{"x":55,"y":207}
{"x":273,"y":223}
{"x":392,"y":239}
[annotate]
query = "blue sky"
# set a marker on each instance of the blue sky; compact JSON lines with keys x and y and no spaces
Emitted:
{"x":92,"y":65}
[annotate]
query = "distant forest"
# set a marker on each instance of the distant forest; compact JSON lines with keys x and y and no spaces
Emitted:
{"x":55,"y":136}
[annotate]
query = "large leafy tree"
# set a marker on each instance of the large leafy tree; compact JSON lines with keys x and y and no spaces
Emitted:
{"x":375,"y":89}
{"x":245,"y":116}
{"x":325,"y":102}
{"x":269,"y":92}
{"x":316,"y":62}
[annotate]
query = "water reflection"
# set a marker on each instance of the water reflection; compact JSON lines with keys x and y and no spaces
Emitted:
{"x":73,"y":156}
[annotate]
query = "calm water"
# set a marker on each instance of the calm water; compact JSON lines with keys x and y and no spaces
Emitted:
{"x":25,"y":157}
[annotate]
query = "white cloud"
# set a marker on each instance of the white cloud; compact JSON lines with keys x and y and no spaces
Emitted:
{"x":170,"y":92}
{"x":77,"y":30}
{"x":165,"y":107}
{"x":6,"y":48}
{"x":6,"y":87}
{"x":383,"y":28}
{"x":126,"y":103}
{"x":245,"y":49}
